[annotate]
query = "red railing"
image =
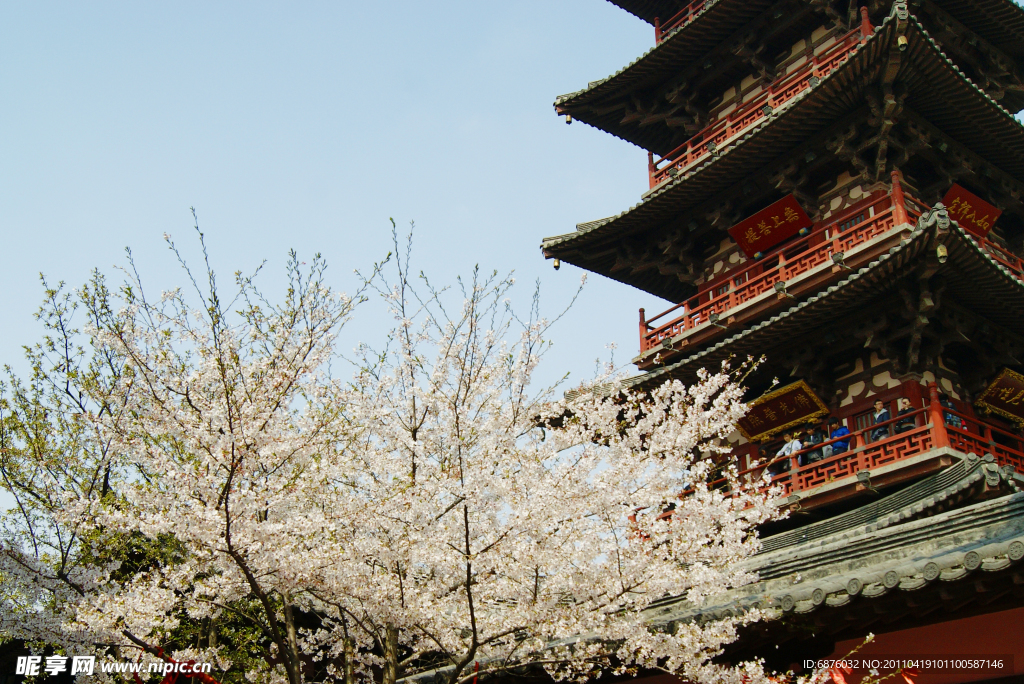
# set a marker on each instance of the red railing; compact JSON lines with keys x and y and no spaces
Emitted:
{"x":863,"y":453}
{"x":1008,"y":259}
{"x":757,"y":277}
{"x":972,"y":434}
{"x":1001,"y":254}
{"x":934,"y":426}
{"x":784,"y":89}
{"x":683,"y":16}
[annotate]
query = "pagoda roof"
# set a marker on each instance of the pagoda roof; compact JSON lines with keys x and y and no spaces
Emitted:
{"x":649,"y":10}
{"x":711,"y":27}
{"x":990,"y":19}
{"x":1000,"y":22}
{"x":977,"y":281}
{"x":919,"y":500}
{"x":937,"y":90}
{"x":963,"y":521}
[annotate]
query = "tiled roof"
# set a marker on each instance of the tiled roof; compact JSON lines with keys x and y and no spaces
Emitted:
{"x":648,"y":10}
{"x":938,"y":90}
{"x":710,"y":28}
{"x":1000,"y":22}
{"x":916,"y":501}
{"x":907,"y":545}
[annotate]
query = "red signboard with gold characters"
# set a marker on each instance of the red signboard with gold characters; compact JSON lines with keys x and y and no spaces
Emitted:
{"x":780,"y":410}
{"x":770,"y":226}
{"x":1004,"y":397}
{"x":972,"y":213}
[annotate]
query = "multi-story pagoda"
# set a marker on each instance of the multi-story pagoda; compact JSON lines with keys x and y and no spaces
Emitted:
{"x":838,"y":185}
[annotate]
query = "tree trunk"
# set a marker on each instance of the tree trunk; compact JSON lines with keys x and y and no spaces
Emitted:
{"x":390,"y":654}
{"x":350,"y":654}
{"x":291,"y":659}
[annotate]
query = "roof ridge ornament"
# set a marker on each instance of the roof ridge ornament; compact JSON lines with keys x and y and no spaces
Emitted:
{"x":936,"y":216}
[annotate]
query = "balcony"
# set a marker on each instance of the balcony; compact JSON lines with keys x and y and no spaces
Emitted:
{"x":680,"y":18}
{"x":871,"y":464}
{"x":1003,"y":256}
{"x":731,"y":127}
{"x":743,"y":293}
{"x":801,"y":265}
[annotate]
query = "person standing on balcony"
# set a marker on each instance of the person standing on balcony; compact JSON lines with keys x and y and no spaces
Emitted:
{"x":906,"y":422}
{"x":815,"y":436}
{"x":836,"y":430}
{"x":782,"y":457}
{"x":880,"y":416}
{"x":952,"y":420}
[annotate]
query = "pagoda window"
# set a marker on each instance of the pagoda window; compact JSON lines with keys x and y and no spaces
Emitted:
{"x":850,"y":223}
{"x":861,"y":421}
{"x":796,"y":63}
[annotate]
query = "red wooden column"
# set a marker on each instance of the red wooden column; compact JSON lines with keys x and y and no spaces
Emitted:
{"x":865,"y":24}
{"x":912,"y":390}
{"x":899,"y":201}
{"x":939,"y":435}
{"x":643,"y":330}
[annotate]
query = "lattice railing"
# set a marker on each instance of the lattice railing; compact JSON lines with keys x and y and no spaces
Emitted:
{"x":680,"y":18}
{"x":1002,"y":255}
{"x":934,"y":426}
{"x":714,"y":137}
{"x":756,"y":277}
{"x":969,"y":434}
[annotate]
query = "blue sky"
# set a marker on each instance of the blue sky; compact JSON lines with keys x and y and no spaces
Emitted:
{"x":308,"y":125}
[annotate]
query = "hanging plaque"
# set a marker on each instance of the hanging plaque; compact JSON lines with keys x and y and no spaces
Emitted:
{"x":781,"y":409}
{"x":770,"y":226}
{"x":1004,"y":397}
{"x":972,"y":213}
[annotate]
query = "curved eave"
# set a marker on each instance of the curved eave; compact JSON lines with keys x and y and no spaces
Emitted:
{"x":977,"y":281}
{"x":938,"y":91}
{"x":1000,"y":22}
{"x":904,"y":551}
{"x":945,"y":96}
{"x":709,"y":29}
{"x":649,"y":10}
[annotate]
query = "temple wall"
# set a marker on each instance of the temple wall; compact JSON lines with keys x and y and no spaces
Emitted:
{"x":847,"y":191}
{"x":872,"y":374}
{"x":994,"y":635}
{"x":752,"y":85}
{"x":726,"y":258}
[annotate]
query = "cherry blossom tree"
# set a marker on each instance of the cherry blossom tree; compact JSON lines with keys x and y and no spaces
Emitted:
{"x":431,"y":511}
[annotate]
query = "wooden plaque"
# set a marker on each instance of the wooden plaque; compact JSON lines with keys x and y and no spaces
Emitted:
{"x":1004,"y":397}
{"x":972,"y":213}
{"x":770,"y":226}
{"x":781,"y":409}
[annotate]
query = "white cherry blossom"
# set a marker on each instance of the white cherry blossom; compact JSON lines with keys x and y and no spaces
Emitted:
{"x":432,"y":511}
